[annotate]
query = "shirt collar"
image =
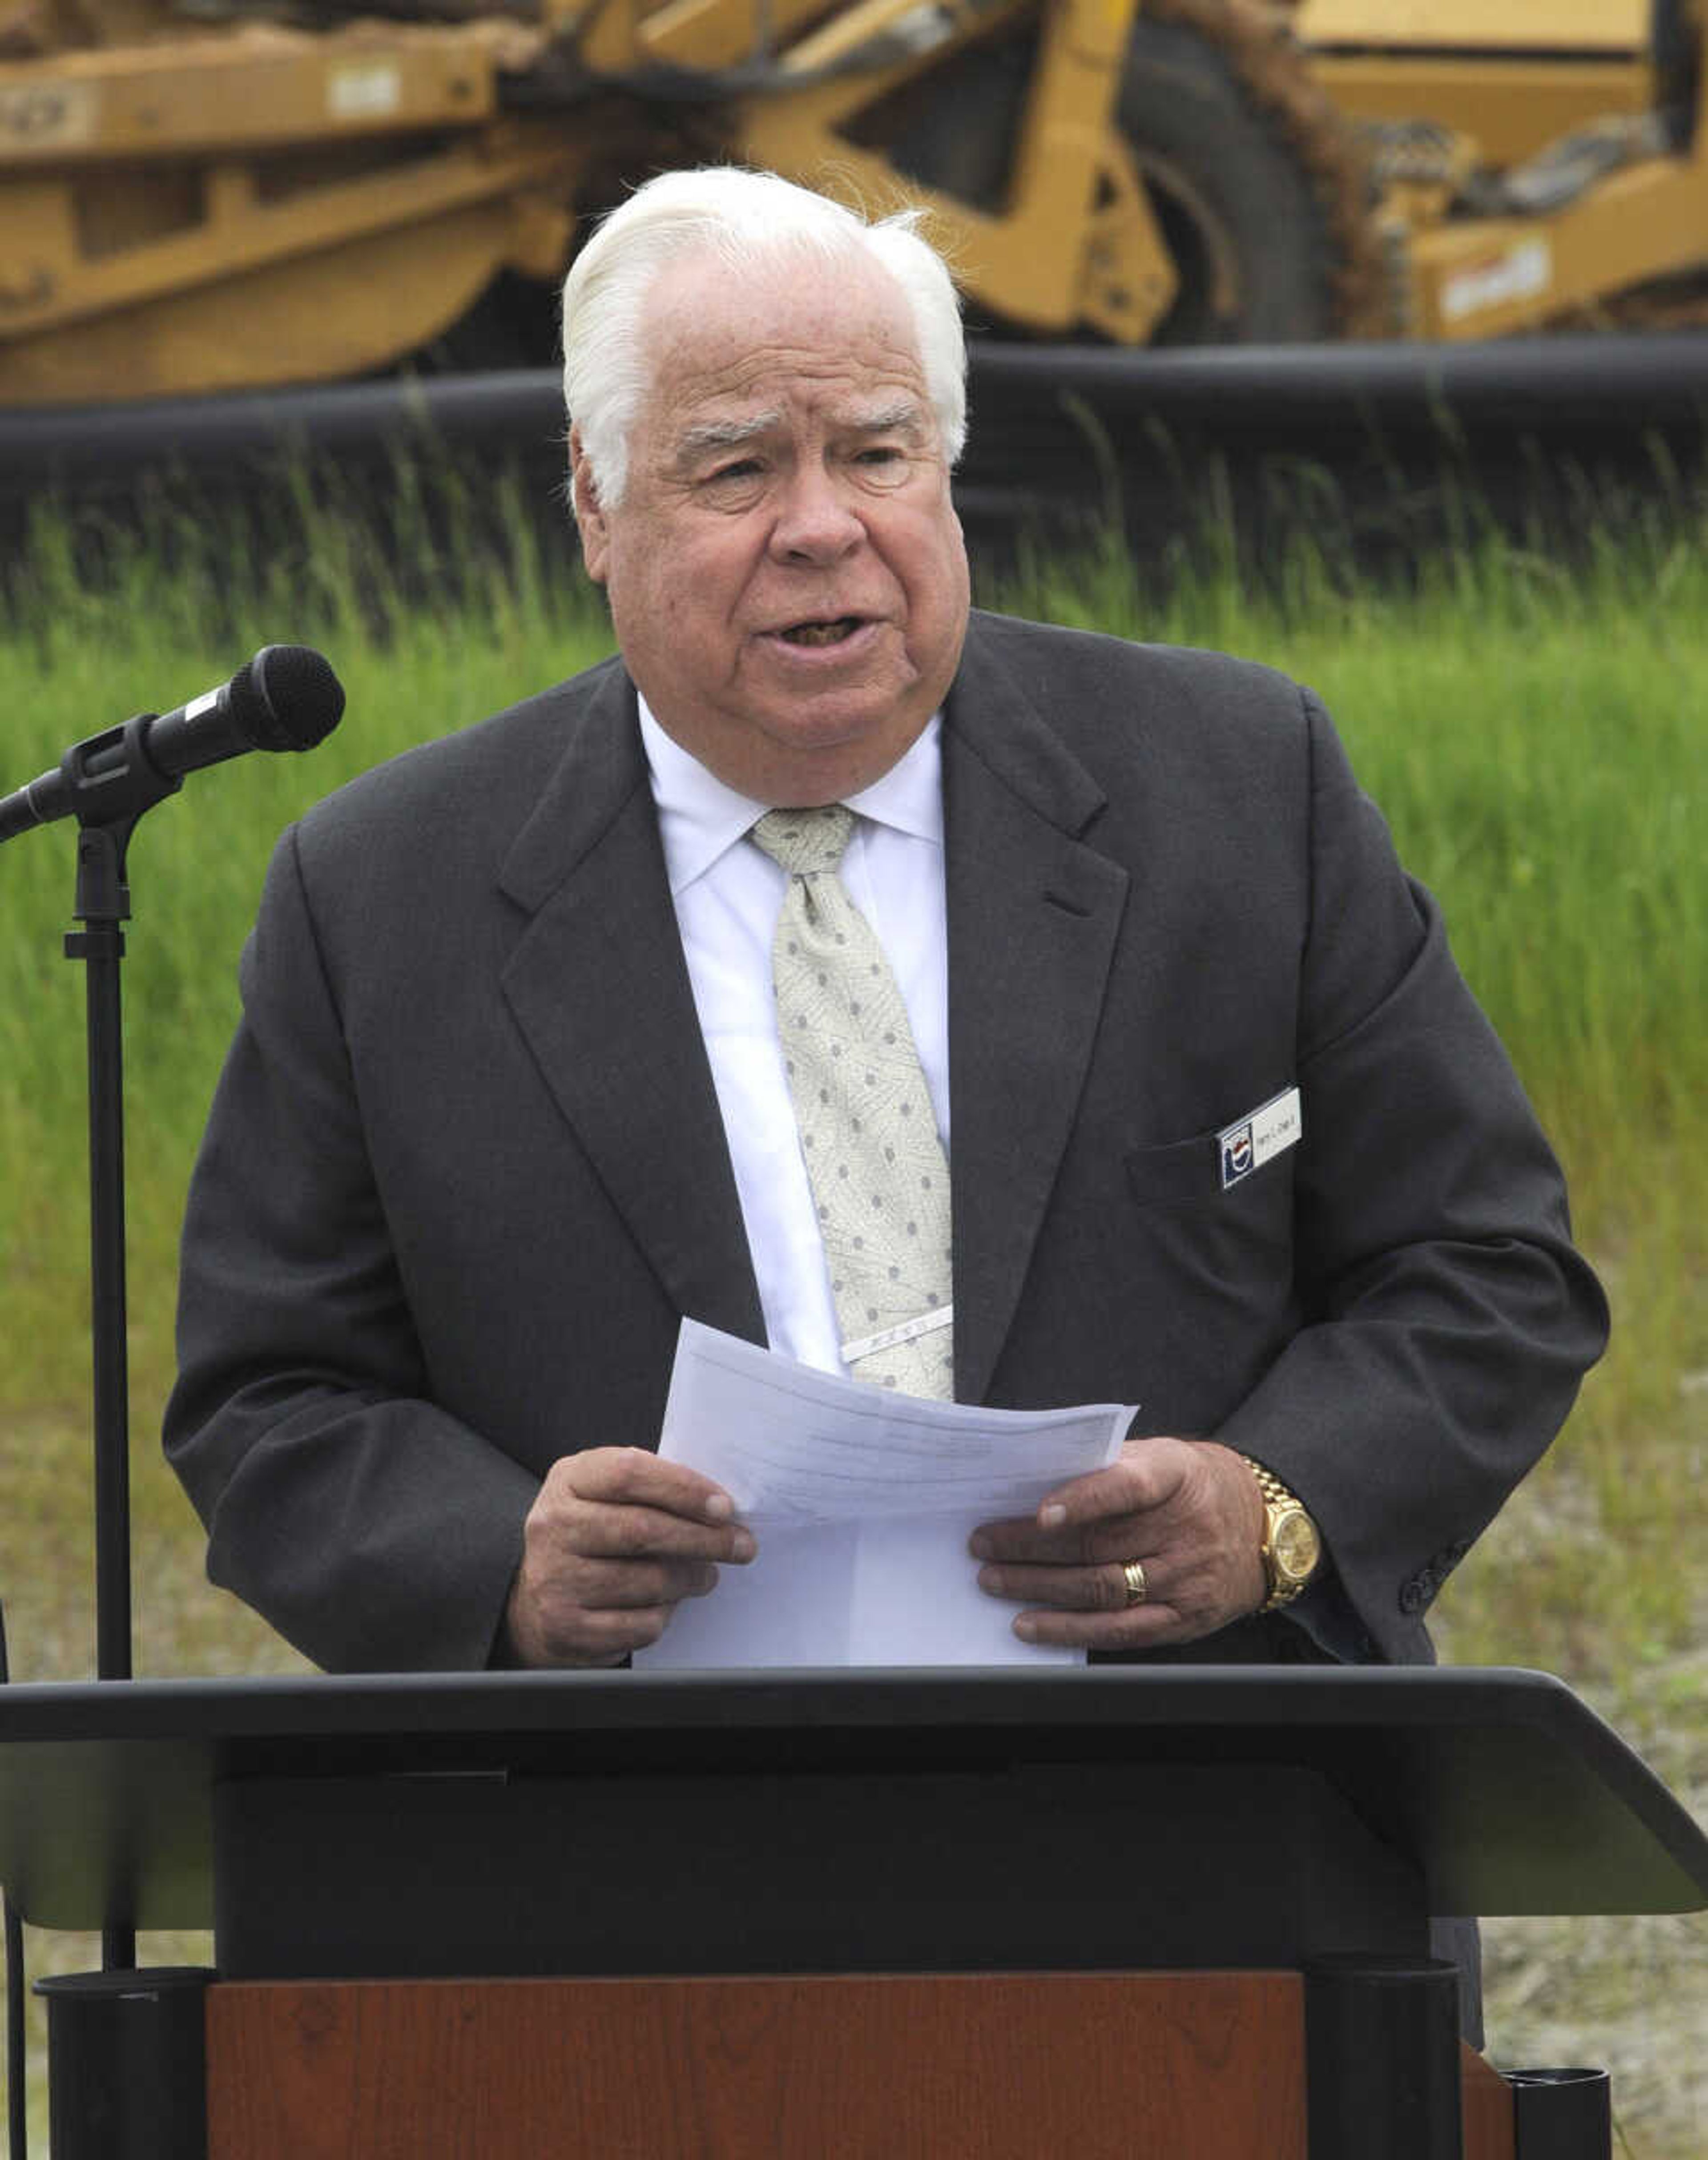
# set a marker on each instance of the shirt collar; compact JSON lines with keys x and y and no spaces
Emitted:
{"x":909,"y":795}
{"x":700,"y":818}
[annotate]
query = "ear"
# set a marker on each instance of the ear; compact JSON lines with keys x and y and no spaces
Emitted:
{"x":589,"y":518}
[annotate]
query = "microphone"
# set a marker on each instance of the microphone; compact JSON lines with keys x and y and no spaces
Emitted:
{"x":286,"y":697}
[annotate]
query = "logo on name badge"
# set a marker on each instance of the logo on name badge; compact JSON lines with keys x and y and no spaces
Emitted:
{"x":1237,"y":1161}
{"x":1247,"y":1145}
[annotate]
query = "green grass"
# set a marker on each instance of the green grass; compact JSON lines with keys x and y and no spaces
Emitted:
{"x":1537,"y":740}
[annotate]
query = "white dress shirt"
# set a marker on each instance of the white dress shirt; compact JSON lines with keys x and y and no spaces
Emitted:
{"x":728,"y":893}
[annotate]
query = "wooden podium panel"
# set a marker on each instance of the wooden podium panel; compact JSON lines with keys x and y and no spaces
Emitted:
{"x":1131,"y":2066}
{"x":1490,"y":2131}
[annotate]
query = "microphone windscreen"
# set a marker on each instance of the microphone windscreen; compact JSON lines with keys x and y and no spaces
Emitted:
{"x":286,"y":697}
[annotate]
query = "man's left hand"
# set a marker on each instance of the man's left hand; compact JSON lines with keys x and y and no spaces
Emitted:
{"x":1188,"y":1511}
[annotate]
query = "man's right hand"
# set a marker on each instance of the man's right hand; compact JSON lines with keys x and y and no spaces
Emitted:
{"x":615,"y":1540}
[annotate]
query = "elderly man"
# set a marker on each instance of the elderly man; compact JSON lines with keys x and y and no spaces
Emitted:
{"x":555,"y":1032}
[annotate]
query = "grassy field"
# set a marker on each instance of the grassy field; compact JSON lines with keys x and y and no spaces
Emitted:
{"x":1538,"y":741}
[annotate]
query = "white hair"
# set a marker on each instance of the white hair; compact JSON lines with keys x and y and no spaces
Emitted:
{"x":751,"y":220}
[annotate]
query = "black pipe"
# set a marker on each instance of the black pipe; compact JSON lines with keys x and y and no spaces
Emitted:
{"x":127,"y":2064}
{"x":1562,"y":2114}
{"x":1279,"y":397}
{"x":1381,"y":2059}
{"x":17,"y":2051}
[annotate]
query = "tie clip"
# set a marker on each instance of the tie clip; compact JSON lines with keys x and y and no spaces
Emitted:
{"x":904,"y":1330}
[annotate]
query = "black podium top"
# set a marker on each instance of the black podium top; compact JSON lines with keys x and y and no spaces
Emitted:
{"x":1506,"y":1791}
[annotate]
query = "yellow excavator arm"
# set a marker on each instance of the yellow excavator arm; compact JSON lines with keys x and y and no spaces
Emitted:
{"x":196,"y":201}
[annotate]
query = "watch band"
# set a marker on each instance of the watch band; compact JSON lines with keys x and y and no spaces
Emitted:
{"x":1278,"y":1499}
{"x":1271,"y":1486}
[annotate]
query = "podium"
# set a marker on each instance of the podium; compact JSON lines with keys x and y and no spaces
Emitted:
{"x":1167,"y":1910}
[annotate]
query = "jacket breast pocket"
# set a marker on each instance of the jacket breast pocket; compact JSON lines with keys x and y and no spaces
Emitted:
{"x":1206,"y":1274}
{"x":1251,"y":1156}
{"x":1185,"y":1170}
{"x":1232,"y":1245}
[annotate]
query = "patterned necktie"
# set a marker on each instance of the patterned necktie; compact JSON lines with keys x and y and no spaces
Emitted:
{"x":868,"y":1131}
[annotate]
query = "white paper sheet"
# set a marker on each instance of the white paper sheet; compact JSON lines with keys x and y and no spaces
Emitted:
{"x":862,"y":1501}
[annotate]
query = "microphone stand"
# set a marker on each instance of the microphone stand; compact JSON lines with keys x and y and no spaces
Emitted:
{"x":107,"y":809}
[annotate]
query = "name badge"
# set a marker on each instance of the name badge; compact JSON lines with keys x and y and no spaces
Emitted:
{"x":1249,"y":1144}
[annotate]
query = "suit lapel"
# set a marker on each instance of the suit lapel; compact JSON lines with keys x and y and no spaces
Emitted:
{"x":600,"y":988}
{"x":1032,"y":918}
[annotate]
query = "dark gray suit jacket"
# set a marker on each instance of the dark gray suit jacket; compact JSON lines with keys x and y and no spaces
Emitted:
{"x":466,"y":1171}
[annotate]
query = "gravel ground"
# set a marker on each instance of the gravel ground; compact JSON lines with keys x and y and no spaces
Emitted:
{"x":1629,"y":1996}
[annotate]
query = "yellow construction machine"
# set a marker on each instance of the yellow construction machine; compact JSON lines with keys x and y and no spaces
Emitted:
{"x":210,"y":194}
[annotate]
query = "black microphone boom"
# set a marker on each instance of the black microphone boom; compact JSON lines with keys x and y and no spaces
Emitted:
{"x":286,"y":697}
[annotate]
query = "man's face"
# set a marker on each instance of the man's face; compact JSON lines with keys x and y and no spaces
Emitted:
{"x":785,"y":571}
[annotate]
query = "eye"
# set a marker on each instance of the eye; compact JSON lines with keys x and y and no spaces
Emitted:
{"x":884,"y":465}
{"x":733,"y":485}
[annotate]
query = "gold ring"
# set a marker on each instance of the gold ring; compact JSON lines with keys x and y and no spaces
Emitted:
{"x":1138,"y":1589}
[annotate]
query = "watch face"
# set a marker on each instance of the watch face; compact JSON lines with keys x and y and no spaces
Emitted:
{"x":1295,"y":1545}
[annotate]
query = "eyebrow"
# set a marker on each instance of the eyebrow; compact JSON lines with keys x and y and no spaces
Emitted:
{"x":907,"y":417}
{"x":724,"y":435}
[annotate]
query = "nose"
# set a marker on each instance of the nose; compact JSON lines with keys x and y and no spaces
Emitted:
{"x":815,"y":523}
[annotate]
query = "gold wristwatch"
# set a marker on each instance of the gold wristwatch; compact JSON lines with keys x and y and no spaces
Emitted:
{"x":1291,"y":1548}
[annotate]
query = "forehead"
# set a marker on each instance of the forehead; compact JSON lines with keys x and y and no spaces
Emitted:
{"x":800,"y":332}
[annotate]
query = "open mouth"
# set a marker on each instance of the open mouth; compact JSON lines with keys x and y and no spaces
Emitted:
{"x":821,"y":632}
